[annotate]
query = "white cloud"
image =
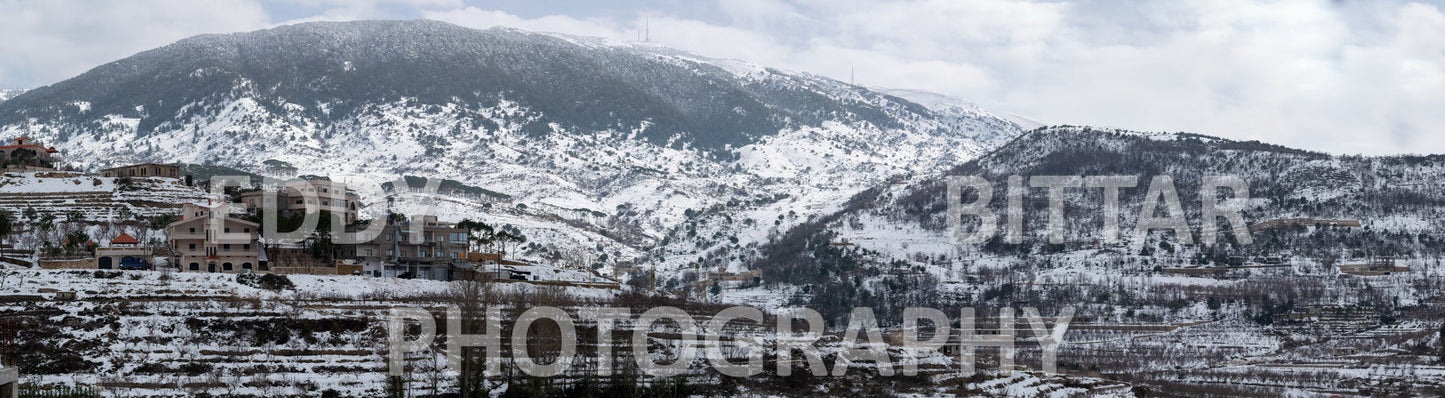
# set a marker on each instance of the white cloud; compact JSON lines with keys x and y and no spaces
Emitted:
{"x":47,"y":41}
{"x":1349,"y":77}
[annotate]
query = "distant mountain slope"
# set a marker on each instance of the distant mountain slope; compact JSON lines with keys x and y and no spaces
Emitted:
{"x":902,"y":229}
{"x":585,"y":143}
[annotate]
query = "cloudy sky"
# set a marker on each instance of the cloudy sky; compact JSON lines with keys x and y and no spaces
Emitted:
{"x":1337,"y":76}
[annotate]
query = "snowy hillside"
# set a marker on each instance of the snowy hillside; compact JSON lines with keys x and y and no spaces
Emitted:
{"x":579,"y":143}
{"x":1162,"y":313}
{"x":93,"y":198}
{"x":8,"y":93}
{"x":1396,"y":199}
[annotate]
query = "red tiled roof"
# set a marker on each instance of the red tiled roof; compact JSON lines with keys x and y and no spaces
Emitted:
{"x":124,"y":239}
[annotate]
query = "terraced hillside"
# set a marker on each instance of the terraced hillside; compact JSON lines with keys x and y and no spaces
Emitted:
{"x":145,"y":333}
{"x":94,"y":198}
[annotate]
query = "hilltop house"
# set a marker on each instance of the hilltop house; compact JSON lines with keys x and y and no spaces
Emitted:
{"x":394,"y":253}
{"x":124,"y":252}
{"x":144,"y":170}
{"x":208,"y":240}
{"x":24,"y":154}
{"x":307,"y":195}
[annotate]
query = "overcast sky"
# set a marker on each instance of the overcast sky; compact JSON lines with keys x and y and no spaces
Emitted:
{"x":1337,"y":76}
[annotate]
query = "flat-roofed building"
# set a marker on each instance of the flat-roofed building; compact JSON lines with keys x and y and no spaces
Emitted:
{"x":307,"y":195}
{"x":9,"y":382}
{"x":393,"y":253}
{"x":144,"y":170}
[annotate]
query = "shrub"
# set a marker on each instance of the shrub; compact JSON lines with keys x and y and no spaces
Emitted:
{"x":272,"y":282}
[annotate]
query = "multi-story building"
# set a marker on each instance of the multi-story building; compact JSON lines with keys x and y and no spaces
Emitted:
{"x":144,"y":170}
{"x":208,"y":240}
{"x":394,"y":253}
{"x":25,"y":154}
{"x":307,"y":195}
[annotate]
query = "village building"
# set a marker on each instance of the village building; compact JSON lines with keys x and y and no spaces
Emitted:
{"x":208,"y":240}
{"x":312,"y":194}
{"x":394,"y":253}
{"x":144,"y":170}
{"x":299,"y":258}
{"x":24,"y":154}
{"x":124,"y":252}
{"x":9,"y":382}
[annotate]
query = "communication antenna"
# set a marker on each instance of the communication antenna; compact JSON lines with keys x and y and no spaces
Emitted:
{"x":852,"y":77}
{"x":647,"y":29}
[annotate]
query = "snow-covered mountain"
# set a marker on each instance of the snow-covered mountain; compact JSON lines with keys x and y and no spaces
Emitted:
{"x":599,"y":151}
{"x":8,"y":93}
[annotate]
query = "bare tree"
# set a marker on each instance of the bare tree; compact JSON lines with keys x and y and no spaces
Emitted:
{"x":471,"y":297}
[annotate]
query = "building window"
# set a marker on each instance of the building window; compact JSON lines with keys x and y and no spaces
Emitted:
{"x":227,"y":230}
{"x":195,"y":266}
{"x":192,"y":247}
{"x":246,"y":230}
{"x":246,"y":246}
{"x":193,"y":230}
{"x":226,"y":247}
{"x":370,"y":252}
{"x":421,"y":253}
{"x":226,"y":267}
{"x":389,"y":252}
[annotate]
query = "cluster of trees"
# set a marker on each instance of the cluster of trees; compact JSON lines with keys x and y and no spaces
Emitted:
{"x":484,"y":237}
